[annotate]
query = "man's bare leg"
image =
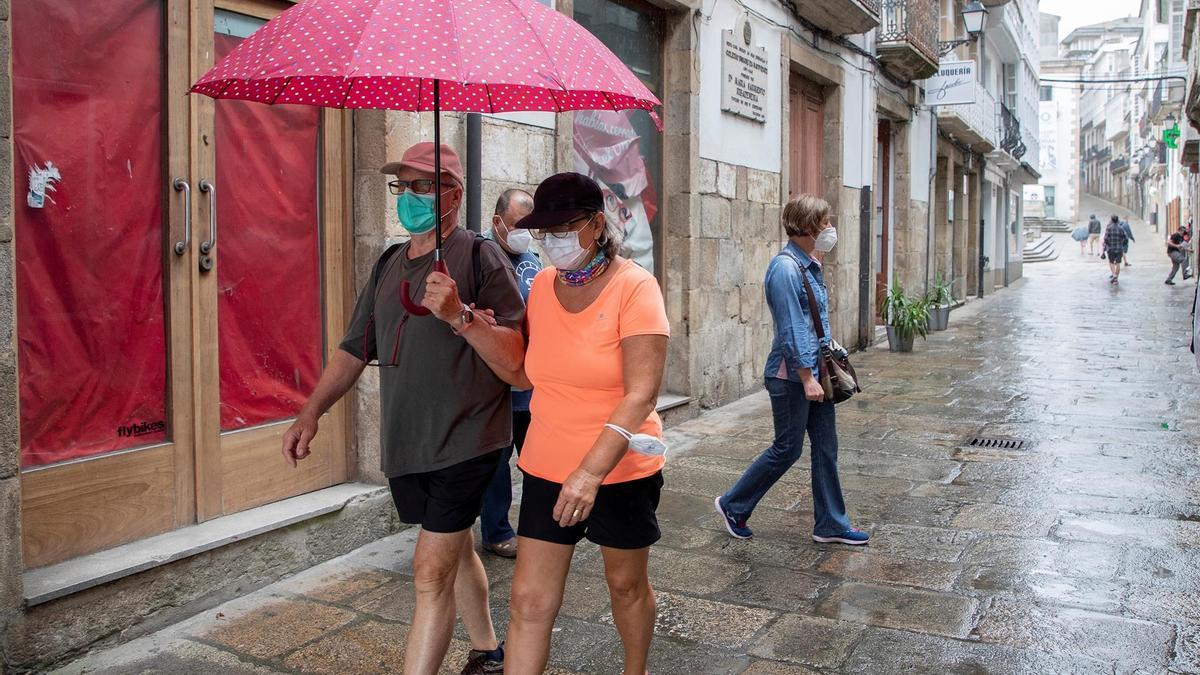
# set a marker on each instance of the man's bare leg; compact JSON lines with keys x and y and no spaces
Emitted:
{"x":435,"y":568}
{"x":471,"y":597}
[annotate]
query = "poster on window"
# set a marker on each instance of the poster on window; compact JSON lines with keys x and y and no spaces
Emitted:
{"x":607,"y":149}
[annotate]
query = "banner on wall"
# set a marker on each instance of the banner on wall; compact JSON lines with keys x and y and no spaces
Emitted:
{"x":607,"y":149}
{"x":1048,"y":137}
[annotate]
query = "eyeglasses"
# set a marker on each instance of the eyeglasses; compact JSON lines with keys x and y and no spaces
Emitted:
{"x":561,"y":231}
{"x":421,"y":186}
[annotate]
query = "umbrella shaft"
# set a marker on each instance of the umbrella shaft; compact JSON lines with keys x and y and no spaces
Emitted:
{"x":437,"y":166}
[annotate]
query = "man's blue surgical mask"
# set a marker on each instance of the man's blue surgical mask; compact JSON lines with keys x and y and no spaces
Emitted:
{"x":415,"y":212}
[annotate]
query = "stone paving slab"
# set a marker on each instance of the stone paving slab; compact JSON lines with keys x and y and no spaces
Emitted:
{"x":1078,"y":554}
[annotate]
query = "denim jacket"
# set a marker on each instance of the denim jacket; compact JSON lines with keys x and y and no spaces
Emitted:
{"x":795,"y":345}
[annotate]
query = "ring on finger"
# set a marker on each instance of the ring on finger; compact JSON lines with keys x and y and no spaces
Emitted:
{"x":575,"y":514}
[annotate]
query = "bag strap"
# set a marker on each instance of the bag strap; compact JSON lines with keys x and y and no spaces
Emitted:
{"x":814,"y":309}
{"x":382,"y":262}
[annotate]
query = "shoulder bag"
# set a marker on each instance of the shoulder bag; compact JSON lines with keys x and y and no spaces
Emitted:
{"x":837,"y":376}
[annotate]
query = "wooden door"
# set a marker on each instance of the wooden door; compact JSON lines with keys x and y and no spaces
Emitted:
{"x":883,"y":211}
{"x":103,"y":294}
{"x":270,"y":296}
{"x":158,"y":367}
{"x":807,"y":138}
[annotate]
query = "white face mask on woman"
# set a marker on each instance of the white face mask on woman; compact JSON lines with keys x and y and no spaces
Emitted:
{"x":565,"y":254}
{"x":826,"y":240}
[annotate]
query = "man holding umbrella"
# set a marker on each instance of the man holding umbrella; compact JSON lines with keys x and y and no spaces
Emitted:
{"x":445,"y":417}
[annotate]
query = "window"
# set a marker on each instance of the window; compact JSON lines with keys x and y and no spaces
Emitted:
{"x":1010,"y":85}
{"x":632,"y":182}
{"x":1046,"y":93}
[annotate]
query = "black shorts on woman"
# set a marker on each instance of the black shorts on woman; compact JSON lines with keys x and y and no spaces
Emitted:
{"x":623,"y":515}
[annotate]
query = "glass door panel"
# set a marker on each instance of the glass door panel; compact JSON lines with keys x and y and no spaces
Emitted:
{"x":269,"y":276}
{"x":105,"y":445}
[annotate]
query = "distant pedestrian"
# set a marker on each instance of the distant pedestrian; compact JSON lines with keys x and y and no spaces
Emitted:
{"x":792,"y":380}
{"x":1129,"y":239}
{"x":498,"y":535}
{"x":1094,"y":230}
{"x":1080,"y":234}
{"x":1179,"y":251}
{"x":1115,"y":243}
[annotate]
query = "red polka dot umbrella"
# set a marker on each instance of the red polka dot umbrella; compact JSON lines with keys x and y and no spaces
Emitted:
{"x":486,"y":56}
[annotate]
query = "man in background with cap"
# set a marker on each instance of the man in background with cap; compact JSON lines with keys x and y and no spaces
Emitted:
{"x":445,"y":417}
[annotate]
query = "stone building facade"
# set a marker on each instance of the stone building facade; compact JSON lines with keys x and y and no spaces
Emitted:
{"x":836,"y":106}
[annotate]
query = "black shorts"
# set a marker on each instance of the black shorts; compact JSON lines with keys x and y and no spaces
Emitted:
{"x":1115,"y":257}
{"x":622,"y":517}
{"x":447,"y":500}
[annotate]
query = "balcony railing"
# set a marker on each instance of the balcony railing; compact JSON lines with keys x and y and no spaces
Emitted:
{"x":1010,"y":130}
{"x":843,"y":17}
{"x":1156,"y":100}
{"x":911,"y":21}
{"x":1030,"y":147}
{"x":974,"y":123}
{"x":1119,"y":165}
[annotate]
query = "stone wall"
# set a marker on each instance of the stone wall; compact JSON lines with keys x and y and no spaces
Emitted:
{"x":11,"y":562}
{"x":729,"y":326}
{"x":910,"y":246}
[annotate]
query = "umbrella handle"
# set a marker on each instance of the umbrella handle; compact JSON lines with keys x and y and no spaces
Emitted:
{"x":406,"y":298}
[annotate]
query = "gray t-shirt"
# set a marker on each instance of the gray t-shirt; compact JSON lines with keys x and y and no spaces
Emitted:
{"x":440,"y":404}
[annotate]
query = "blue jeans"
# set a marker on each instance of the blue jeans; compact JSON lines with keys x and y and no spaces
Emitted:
{"x":794,"y":415}
{"x":493,"y":517}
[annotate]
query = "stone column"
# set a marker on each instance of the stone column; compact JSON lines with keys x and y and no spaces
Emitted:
{"x":958,"y":252}
{"x":11,"y":563}
{"x":685,"y":214}
{"x":973,"y":242}
{"x":942,"y":231}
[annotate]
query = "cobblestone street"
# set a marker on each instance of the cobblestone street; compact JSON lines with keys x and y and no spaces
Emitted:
{"x":1078,"y":553}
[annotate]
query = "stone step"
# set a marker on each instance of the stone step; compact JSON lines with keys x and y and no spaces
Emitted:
{"x":1042,"y":251}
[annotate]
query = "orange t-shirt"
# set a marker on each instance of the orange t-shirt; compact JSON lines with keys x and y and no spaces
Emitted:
{"x":574,"y":363}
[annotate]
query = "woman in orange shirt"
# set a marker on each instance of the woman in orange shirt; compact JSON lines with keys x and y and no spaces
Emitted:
{"x":593,"y":457}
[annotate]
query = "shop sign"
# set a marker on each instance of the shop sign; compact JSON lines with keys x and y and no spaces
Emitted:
{"x":1171,"y":136}
{"x":954,"y":84}
{"x":743,"y":74}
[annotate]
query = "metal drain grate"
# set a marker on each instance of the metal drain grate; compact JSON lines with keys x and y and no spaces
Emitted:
{"x":996,"y":442}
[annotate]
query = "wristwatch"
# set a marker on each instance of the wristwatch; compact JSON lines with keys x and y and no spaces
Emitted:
{"x":465,"y":316}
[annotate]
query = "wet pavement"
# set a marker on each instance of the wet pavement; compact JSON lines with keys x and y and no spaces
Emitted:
{"x":1079,"y":552}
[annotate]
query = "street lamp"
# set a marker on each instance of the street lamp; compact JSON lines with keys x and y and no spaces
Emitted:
{"x":975,"y":18}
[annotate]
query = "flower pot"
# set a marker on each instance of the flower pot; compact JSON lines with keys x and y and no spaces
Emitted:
{"x":939,"y":318}
{"x":896,"y":344}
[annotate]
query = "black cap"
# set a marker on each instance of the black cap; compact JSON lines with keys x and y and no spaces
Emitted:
{"x":561,"y":198}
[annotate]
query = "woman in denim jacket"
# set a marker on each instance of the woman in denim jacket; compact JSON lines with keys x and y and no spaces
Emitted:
{"x":793,"y":381}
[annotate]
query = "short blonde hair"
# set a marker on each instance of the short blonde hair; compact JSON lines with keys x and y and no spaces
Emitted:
{"x":803,"y":216}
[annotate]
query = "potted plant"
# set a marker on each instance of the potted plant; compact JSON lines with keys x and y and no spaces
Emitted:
{"x":939,"y":300}
{"x":907,"y":317}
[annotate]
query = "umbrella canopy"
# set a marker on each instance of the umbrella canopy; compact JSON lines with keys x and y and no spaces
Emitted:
{"x":487,"y":56}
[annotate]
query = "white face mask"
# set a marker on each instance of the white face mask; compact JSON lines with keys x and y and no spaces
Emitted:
{"x":826,"y":240}
{"x":564,"y":254}
{"x":644,"y":444}
{"x":518,"y":241}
